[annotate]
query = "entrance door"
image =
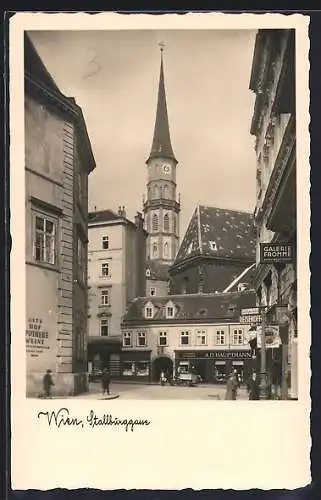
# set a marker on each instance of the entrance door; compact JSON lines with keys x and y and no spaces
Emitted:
{"x":162,"y":364}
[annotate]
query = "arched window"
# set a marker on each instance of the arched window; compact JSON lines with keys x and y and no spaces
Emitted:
{"x":160,"y":191}
{"x":155,"y":192}
{"x":166,"y":249}
{"x":149,"y":193}
{"x":174,"y":223}
{"x":155,"y":249}
{"x":166,"y":191}
{"x":155,"y":223}
{"x":166,"y":222}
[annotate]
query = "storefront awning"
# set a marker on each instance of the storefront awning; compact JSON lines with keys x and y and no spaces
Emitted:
{"x":112,"y":344}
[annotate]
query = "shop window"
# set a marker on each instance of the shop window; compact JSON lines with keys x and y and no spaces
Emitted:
{"x":45,"y":229}
{"x":105,"y":242}
{"x":162,"y":339}
{"x":127,"y":339}
{"x":104,"y":297}
{"x":141,"y":339}
{"x":237,"y":337}
{"x":220,"y":337}
{"x":105,"y":270}
{"x":142,"y":369}
{"x":201,"y":337}
{"x":185,"y":338}
{"x":128,"y":368}
{"x":104,"y":327}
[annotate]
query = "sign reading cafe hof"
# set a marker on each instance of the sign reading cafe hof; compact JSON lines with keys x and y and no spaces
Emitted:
{"x":276,"y":252}
{"x":36,"y":337}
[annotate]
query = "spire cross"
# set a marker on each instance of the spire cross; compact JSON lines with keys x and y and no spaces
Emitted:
{"x":162,"y":46}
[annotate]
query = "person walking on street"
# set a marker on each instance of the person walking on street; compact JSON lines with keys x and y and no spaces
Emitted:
{"x":47,"y":384}
{"x":231,"y":387}
{"x":253,"y":388}
{"x":105,"y":381}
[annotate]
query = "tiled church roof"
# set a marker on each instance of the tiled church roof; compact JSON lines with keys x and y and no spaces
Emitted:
{"x":198,"y":307}
{"x":157,"y":271}
{"x":219,"y":233}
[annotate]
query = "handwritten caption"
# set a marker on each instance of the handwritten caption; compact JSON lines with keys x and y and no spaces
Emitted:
{"x":62,"y":418}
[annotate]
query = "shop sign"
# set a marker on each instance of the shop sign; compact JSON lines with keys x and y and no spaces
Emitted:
{"x":37,"y":338}
{"x":229,"y":354}
{"x":251,"y":316}
{"x":276,"y":252}
{"x":272,"y":337}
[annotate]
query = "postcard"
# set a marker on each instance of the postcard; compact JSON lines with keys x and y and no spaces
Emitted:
{"x":160,"y":214}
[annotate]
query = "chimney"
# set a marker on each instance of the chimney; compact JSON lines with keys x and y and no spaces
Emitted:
{"x":139,"y":221}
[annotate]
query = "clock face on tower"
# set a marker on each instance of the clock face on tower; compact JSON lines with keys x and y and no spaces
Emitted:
{"x":166,"y":168}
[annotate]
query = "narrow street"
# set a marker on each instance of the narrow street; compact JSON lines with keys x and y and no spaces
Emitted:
{"x":157,"y":392}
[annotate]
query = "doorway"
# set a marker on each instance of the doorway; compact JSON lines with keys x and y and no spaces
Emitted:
{"x":160,"y":364}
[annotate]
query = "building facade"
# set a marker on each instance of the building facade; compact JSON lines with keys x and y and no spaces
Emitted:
{"x":201,"y":332}
{"x":116,"y":275}
{"x":218,"y":249}
{"x":274,"y":127}
{"x":58,"y":160}
{"x":161,"y":208}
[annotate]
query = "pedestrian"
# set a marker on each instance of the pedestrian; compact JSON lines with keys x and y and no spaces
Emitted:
{"x":231,"y":387}
{"x":105,"y":381}
{"x":253,"y":388}
{"x":47,"y":384}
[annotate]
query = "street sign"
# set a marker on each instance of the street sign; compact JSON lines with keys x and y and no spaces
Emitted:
{"x":250,"y":310}
{"x":276,"y":252}
{"x":251,"y":319}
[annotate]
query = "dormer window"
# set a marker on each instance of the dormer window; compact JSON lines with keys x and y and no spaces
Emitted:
{"x":213,"y":246}
{"x":149,"y":311}
{"x":147,"y":273}
{"x":170,"y":310}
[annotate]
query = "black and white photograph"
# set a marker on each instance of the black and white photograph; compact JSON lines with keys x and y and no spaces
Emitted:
{"x":164,"y":210}
{"x":157,"y":244}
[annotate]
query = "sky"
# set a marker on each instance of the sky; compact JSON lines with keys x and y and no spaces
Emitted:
{"x":113,"y":75}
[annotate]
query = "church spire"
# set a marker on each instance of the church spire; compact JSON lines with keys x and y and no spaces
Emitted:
{"x":162,"y":146}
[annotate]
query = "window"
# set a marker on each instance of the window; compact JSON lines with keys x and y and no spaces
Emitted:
{"x":201,"y":337}
{"x":105,"y":269}
{"x":155,"y":191}
{"x":148,"y":312}
{"x":141,"y":338}
{"x":104,"y":327}
{"x":81,"y":261}
{"x":105,"y":242}
{"x":170,"y":312}
{"x":213,"y":245}
{"x":142,"y":368}
{"x":185,"y":338}
{"x":166,"y":249}
{"x":104,"y":297}
{"x":152,"y":291}
{"x":166,"y":191}
{"x":220,"y":337}
{"x":238,"y":337}
{"x":155,"y":250}
{"x":127,"y":339}
{"x":166,"y":222}
{"x":174,"y":223}
{"x":155,"y":223}
{"x":45,"y":239}
{"x":162,"y":339}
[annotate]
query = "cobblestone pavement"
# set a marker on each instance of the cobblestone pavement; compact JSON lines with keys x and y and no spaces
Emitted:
{"x":158,"y":392}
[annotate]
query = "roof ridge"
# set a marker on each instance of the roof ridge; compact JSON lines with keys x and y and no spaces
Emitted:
{"x":227,"y":209}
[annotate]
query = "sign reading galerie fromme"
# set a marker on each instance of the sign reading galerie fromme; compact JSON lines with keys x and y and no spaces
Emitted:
{"x":276,"y":252}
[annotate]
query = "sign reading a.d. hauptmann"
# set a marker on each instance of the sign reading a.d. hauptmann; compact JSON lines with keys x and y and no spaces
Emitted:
{"x":251,"y":316}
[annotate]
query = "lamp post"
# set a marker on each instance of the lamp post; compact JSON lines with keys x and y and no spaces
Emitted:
{"x":263,"y":369}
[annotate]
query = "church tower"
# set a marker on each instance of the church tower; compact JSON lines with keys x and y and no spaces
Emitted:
{"x":161,"y":208}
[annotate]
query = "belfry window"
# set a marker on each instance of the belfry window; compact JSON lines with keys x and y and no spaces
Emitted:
{"x":166,"y":249}
{"x":155,"y":223}
{"x":155,"y":250}
{"x":166,"y":222}
{"x":166,"y":191}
